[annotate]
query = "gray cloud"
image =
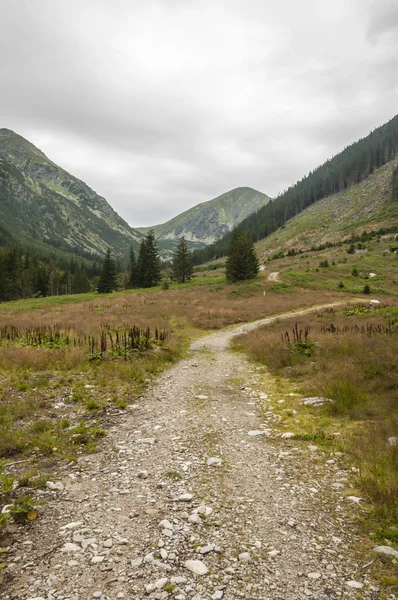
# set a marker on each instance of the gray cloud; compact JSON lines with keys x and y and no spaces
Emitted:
{"x":164,"y":104}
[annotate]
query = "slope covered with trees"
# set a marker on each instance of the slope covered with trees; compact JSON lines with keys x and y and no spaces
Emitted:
{"x":349,"y":167}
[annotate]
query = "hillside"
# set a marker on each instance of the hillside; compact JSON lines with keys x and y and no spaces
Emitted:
{"x":366,"y":206}
{"x":207,"y":222}
{"x":351,"y":166}
{"x":43,"y":205}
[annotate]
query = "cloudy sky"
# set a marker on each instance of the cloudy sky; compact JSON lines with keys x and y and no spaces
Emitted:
{"x":161,"y":104}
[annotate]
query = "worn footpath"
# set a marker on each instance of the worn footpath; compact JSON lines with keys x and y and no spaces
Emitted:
{"x":195,"y":494}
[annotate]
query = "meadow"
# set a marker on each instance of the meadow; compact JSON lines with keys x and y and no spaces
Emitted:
{"x":62,"y":385}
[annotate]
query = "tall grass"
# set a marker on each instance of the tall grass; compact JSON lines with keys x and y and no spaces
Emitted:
{"x":350,"y":357}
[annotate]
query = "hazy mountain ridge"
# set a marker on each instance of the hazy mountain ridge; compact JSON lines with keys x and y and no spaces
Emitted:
{"x":41,"y":202}
{"x":205,"y":223}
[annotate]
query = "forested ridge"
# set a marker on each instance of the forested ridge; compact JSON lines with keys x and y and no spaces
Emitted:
{"x":354,"y":164}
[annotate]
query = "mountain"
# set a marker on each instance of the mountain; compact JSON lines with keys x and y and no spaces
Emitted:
{"x":207,"y":222}
{"x":43,"y":205}
{"x":348,"y":168}
{"x":366,"y":206}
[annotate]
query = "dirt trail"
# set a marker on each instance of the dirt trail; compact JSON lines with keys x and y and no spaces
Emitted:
{"x":268,"y":522}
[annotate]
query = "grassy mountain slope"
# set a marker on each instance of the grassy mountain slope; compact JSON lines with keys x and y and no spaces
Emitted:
{"x":43,"y":205}
{"x":367,"y":206}
{"x":209,"y":221}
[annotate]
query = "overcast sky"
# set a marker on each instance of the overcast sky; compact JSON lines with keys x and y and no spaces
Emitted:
{"x":161,"y":104}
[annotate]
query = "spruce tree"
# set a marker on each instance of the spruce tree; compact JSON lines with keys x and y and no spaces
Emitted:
{"x":182,"y":264}
{"x":242,"y":262}
{"x":148,"y":264}
{"x":107,"y":282}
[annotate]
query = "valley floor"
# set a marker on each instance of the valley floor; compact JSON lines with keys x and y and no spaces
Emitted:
{"x":269,"y":522}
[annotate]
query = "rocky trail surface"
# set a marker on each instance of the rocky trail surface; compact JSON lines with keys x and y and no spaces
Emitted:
{"x":195,"y":495}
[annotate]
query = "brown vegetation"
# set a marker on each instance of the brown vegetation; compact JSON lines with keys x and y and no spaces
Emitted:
{"x":349,"y":356}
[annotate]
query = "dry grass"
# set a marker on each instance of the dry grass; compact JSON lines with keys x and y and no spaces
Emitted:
{"x":358,"y":371}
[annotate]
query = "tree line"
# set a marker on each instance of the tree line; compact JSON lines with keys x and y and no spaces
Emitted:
{"x":26,"y":273}
{"x":352,"y":165}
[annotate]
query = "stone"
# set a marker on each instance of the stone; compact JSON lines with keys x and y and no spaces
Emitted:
{"x":316,"y":401}
{"x":196,"y":566}
{"x":244,"y":557}
{"x":255,"y":432}
{"x":386,"y":550}
{"x":97,"y":594}
{"x":149,"y":441}
{"x":56,"y":486}
{"x":142,"y":474}
{"x":195,"y":519}
{"x":214,"y":461}
{"x":178,"y":580}
{"x":355,"y":499}
{"x":148,"y":558}
{"x":136,"y":562}
{"x":97,"y":559}
{"x":392,"y":441}
{"x":206,"y":549}
{"x":185,"y":498}
{"x":161,"y":583}
{"x":201,"y":397}
{"x":69,"y":547}
{"x":203,"y":510}
{"x":315,"y":575}
{"x":165,"y":524}
{"x":72,"y":525}
{"x":356,"y":585}
{"x":108,"y":543}
{"x":217,"y":595}
{"x":288,"y":435}
{"x":273,"y":553}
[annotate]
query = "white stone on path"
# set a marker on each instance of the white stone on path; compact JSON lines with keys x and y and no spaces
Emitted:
{"x":72,"y":525}
{"x":255,"y":432}
{"x":185,"y":497}
{"x":214,"y":461}
{"x":136,"y":562}
{"x":314,"y":575}
{"x":195,"y":519}
{"x":69,"y":547}
{"x":97,"y":559}
{"x":58,"y":486}
{"x":217,"y":595}
{"x":288,"y":435}
{"x":196,"y":566}
{"x":203,"y":510}
{"x":273,"y":553}
{"x":244,"y":557}
{"x":165,"y":524}
{"x":355,"y":585}
{"x":161,"y":583}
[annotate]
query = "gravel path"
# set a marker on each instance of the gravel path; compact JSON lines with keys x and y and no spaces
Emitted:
{"x":195,"y":495}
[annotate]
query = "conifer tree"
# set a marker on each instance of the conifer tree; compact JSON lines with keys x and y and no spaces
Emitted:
{"x":107,"y":282}
{"x":182,"y":264}
{"x":242,"y":262}
{"x":148,"y":264}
